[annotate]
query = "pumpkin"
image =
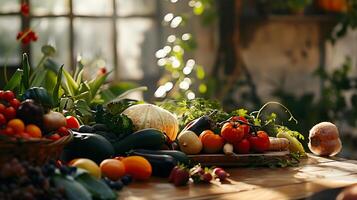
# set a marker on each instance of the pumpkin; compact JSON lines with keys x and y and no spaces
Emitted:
{"x":324,"y":139}
{"x":151,"y":116}
{"x":338,"y":6}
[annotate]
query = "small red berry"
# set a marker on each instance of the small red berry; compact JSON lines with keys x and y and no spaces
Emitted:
{"x":10,"y":113}
{"x":2,"y":108}
{"x":63,"y":131}
{"x":2,"y":120}
{"x":54,"y":137}
{"x":8,"y":95}
{"x":15,"y":103}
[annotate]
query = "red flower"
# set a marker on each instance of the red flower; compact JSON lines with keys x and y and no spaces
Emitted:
{"x":102,"y":71}
{"x":25,"y":9}
{"x":27,"y":36}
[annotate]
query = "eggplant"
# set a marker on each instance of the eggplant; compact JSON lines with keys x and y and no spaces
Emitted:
{"x":179,"y":156}
{"x":87,"y":145}
{"x":200,"y":124}
{"x":161,"y":164}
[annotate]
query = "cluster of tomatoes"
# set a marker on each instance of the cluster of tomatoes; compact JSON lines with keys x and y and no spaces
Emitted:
{"x":237,"y":132}
{"x":12,"y":126}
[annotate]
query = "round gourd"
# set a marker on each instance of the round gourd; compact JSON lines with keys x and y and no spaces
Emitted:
{"x":151,"y":116}
{"x":324,"y":139}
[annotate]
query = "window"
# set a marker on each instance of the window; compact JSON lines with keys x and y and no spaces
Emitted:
{"x":121,"y":35}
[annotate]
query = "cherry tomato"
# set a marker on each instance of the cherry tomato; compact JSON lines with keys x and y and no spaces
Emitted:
{"x":8,"y":95}
{"x":24,"y":135}
{"x":259,"y":142}
{"x":2,"y":108}
{"x":232,"y":132}
{"x":9,"y":131}
{"x":15,"y":103}
{"x":10,"y":113}
{"x":62,"y":131}
{"x":1,"y":94}
{"x":54,"y":137}
{"x":2,"y":119}
{"x":242,"y":146}
{"x":72,"y":122}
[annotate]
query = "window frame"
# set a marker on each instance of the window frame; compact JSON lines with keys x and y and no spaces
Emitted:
{"x":71,"y":16}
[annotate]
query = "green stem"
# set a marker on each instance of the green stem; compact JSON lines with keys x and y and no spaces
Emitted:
{"x":40,"y":63}
{"x":277,"y":103}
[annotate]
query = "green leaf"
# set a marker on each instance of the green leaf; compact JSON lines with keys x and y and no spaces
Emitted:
{"x":126,"y":93}
{"x":96,"y":83}
{"x":15,"y":80}
{"x":97,"y":188}
{"x":26,"y":74}
{"x":118,"y":106}
{"x":71,"y":83}
{"x":240,"y":112}
{"x":55,"y":93}
{"x":78,"y":77}
{"x":83,"y":108}
{"x":39,"y":78}
{"x":79,"y":69}
{"x":74,"y":190}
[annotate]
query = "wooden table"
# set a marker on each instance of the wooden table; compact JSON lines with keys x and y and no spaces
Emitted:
{"x":312,"y":175}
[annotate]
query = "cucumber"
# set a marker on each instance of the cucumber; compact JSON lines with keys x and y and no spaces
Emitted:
{"x":144,"y":139}
{"x":179,"y":156}
{"x":161,"y":164}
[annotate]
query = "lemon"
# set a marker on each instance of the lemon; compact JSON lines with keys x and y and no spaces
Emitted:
{"x":89,"y":165}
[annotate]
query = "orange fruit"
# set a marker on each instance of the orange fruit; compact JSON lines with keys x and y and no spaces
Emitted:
{"x":212,"y":143}
{"x":17,"y":124}
{"x":138,"y":167}
{"x":112,"y":168}
{"x":33,"y":130}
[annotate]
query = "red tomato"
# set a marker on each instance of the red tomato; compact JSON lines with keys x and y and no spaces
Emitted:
{"x":54,"y":137}
{"x":10,"y":113}
{"x":242,"y":146}
{"x":8,"y":95}
{"x":9,"y":131}
{"x":15,"y":103}
{"x":2,"y":119}
{"x":62,"y":131}
{"x":232,"y":132}
{"x":260,"y":142}
{"x":2,"y":108}
{"x":245,"y":127}
{"x":72,"y":122}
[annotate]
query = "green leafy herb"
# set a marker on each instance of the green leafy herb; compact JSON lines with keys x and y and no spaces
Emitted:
{"x":295,"y":134}
{"x":119,"y":124}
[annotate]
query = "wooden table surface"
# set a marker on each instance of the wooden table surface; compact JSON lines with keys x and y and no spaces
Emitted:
{"x":312,"y":175}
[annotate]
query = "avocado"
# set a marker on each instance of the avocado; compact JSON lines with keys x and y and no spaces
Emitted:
{"x":87,"y":145}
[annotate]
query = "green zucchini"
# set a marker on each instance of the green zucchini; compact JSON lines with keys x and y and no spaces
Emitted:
{"x":143,"y":139}
{"x":179,"y":156}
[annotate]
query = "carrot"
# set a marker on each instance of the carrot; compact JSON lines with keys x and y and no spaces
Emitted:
{"x":278,"y":144}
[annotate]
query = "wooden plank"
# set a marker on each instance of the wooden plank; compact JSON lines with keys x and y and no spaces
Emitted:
{"x":240,"y":160}
{"x":255,"y":183}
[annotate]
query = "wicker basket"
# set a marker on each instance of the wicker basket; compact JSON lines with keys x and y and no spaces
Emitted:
{"x":34,"y":150}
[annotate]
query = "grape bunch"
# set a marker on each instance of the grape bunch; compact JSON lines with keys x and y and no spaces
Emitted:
{"x":21,"y":180}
